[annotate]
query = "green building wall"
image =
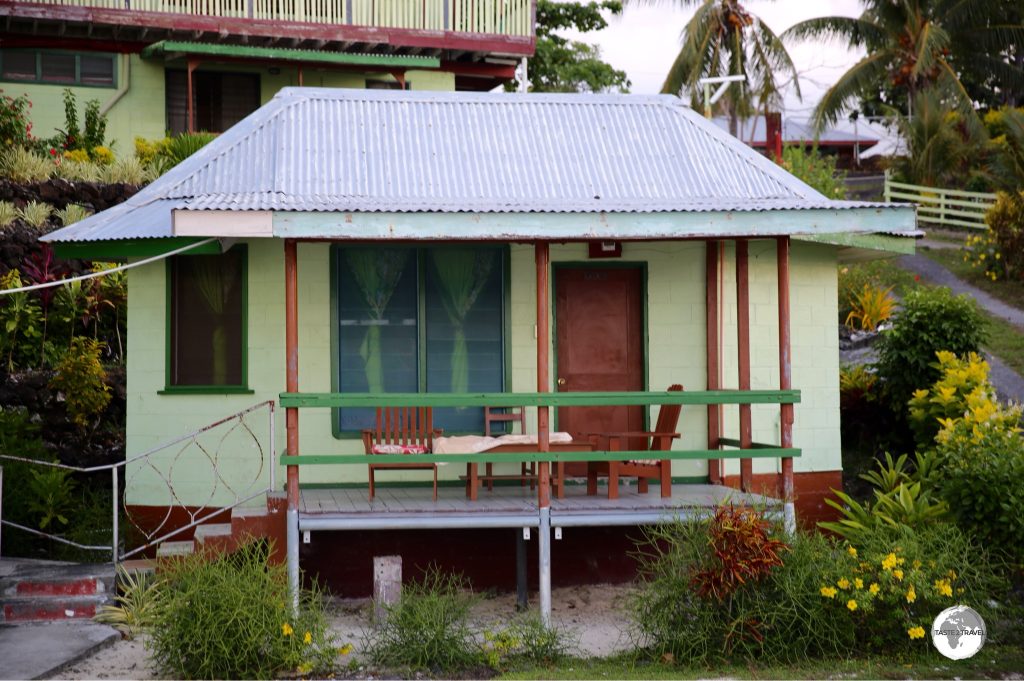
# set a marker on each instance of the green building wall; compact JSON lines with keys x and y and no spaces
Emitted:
{"x":136,"y":106}
{"x":675,"y":353}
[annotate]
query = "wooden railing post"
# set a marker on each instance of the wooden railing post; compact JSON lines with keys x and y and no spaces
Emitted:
{"x":743,"y":346}
{"x":291,"y":342}
{"x":785,"y":381}
{"x":542,"y":255}
{"x":712,"y":312}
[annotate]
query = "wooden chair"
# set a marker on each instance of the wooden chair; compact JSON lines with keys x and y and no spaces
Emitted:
{"x":508,"y":415}
{"x":401,"y":430}
{"x":658,"y":440}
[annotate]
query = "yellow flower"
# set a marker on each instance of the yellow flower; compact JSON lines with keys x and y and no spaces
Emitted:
{"x":916,"y":564}
{"x":911,"y":594}
{"x":889,"y":562}
{"x":952,"y":574}
{"x":858,"y":583}
{"x":286,"y":629}
{"x":851,"y":604}
{"x":843,"y":583}
{"x":874,"y":588}
{"x":898,"y":574}
{"x":308,"y":638}
{"x":345,"y":649}
{"x":852,"y":551}
{"x":944,"y":587}
{"x":304,"y":668}
{"x":915,"y":632}
{"x":828,"y":592}
{"x":900,"y":561}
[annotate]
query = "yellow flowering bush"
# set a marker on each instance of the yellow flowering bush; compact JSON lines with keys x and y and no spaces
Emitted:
{"x":102,"y":155}
{"x":999,"y":251}
{"x":910,"y":577}
{"x":962,"y":391}
{"x":76,"y":155}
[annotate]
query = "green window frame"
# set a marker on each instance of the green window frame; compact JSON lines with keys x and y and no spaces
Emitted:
{"x":421,"y":261}
{"x":77,"y":81}
{"x":172,"y":386}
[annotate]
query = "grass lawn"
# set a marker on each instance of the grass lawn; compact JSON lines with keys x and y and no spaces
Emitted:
{"x":1010,"y":292}
{"x":993,"y":662}
{"x":1006,"y":341}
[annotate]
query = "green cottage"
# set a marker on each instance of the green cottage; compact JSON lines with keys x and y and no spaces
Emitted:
{"x":350,"y":263}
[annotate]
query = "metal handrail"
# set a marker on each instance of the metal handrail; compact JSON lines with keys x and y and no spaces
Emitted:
{"x":197,"y":518}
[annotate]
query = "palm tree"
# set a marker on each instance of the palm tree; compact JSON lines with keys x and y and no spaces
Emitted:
{"x":941,"y":144}
{"x":724,"y":39}
{"x":916,"y":44}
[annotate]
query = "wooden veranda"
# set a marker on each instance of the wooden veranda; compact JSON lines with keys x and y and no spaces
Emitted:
{"x":338,"y":510}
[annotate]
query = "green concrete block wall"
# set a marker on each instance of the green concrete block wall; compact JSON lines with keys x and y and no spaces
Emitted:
{"x":141,"y":112}
{"x":676,"y":352}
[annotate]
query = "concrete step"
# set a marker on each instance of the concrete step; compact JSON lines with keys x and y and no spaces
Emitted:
{"x":41,"y":608}
{"x":168,"y":549}
{"x":211,"y":531}
{"x":55,"y":586}
{"x":139,"y":566}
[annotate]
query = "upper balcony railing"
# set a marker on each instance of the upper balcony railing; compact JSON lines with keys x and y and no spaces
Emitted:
{"x":494,"y":17}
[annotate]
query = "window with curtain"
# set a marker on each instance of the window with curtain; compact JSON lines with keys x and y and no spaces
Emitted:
{"x":420,"y":320}
{"x":207,"y":320}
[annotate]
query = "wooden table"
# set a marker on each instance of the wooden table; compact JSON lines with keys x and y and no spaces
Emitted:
{"x":474,"y":479}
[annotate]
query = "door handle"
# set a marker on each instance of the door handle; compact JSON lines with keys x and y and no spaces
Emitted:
{"x":561,"y":381}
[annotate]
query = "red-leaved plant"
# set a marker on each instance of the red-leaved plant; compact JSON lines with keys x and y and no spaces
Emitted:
{"x":743,"y":550}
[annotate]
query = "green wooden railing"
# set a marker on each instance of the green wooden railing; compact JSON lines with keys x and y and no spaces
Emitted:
{"x":501,"y":17}
{"x":943,"y":207}
{"x":575,"y":399}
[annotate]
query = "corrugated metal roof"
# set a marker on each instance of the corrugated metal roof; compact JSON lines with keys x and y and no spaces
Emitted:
{"x":753,"y":131}
{"x":317,"y":149}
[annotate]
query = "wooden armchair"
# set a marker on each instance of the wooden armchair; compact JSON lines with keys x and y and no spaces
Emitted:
{"x":658,"y":440}
{"x":510,"y":415}
{"x":401,"y":430}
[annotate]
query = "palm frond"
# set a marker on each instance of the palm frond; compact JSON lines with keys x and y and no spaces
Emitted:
{"x":863,"y":75}
{"x":931,"y":42}
{"x":855,"y":32}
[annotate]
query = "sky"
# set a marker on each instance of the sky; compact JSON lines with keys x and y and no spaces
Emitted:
{"x":644,"y":40}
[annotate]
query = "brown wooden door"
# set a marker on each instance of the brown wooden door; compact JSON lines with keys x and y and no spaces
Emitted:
{"x":599,"y":326}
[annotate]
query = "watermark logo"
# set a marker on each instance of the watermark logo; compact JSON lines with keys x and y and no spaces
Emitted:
{"x":958,"y":632}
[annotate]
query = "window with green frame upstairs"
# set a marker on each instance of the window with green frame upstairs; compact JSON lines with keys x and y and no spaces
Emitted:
{"x":419,"y":320}
{"x":206,"y":322}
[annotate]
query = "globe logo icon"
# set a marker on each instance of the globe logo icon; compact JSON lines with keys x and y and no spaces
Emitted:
{"x":958,"y":632}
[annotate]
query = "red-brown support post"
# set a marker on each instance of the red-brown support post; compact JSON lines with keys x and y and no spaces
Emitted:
{"x":542,"y":255}
{"x":712,"y":311}
{"x":190,"y":109}
{"x":743,"y":344}
{"x":300,"y":75}
{"x":291,"y":344}
{"x":785,"y":382}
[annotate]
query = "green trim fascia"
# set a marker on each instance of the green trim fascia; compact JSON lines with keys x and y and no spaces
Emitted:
{"x":130,"y":248}
{"x":243,"y":387}
{"x":876,"y":242}
{"x":172,"y":48}
{"x":520,"y":457}
{"x":575,"y":399}
{"x":425,"y":484}
{"x":601,"y":264}
{"x":390,"y":226}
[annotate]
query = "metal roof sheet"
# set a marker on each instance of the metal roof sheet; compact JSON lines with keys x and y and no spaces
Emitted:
{"x":336,"y":150}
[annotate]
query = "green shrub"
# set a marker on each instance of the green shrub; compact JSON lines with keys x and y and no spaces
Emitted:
{"x":136,"y":602}
{"x":35,"y":213}
{"x":79,"y":171}
{"x":147,"y":150}
{"x":8,"y":213}
{"x":428,"y":629}
{"x":15,"y":127}
{"x":999,"y":252}
{"x":182,"y":146}
{"x":779,"y":617}
{"x":929,"y":321}
{"x":128,"y":170}
{"x":526,"y":641}
{"x":71,"y":214}
{"x":82,"y":379}
{"x":982,"y":466}
{"x":963,"y":385}
{"x":816,"y":169}
{"x":21,"y":165}
{"x":229,"y":618}
{"x":889,"y":585}
{"x":21,"y":320}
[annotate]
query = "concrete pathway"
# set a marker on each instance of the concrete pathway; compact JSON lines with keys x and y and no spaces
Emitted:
{"x":31,"y":651}
{"x":1008,"y":383}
